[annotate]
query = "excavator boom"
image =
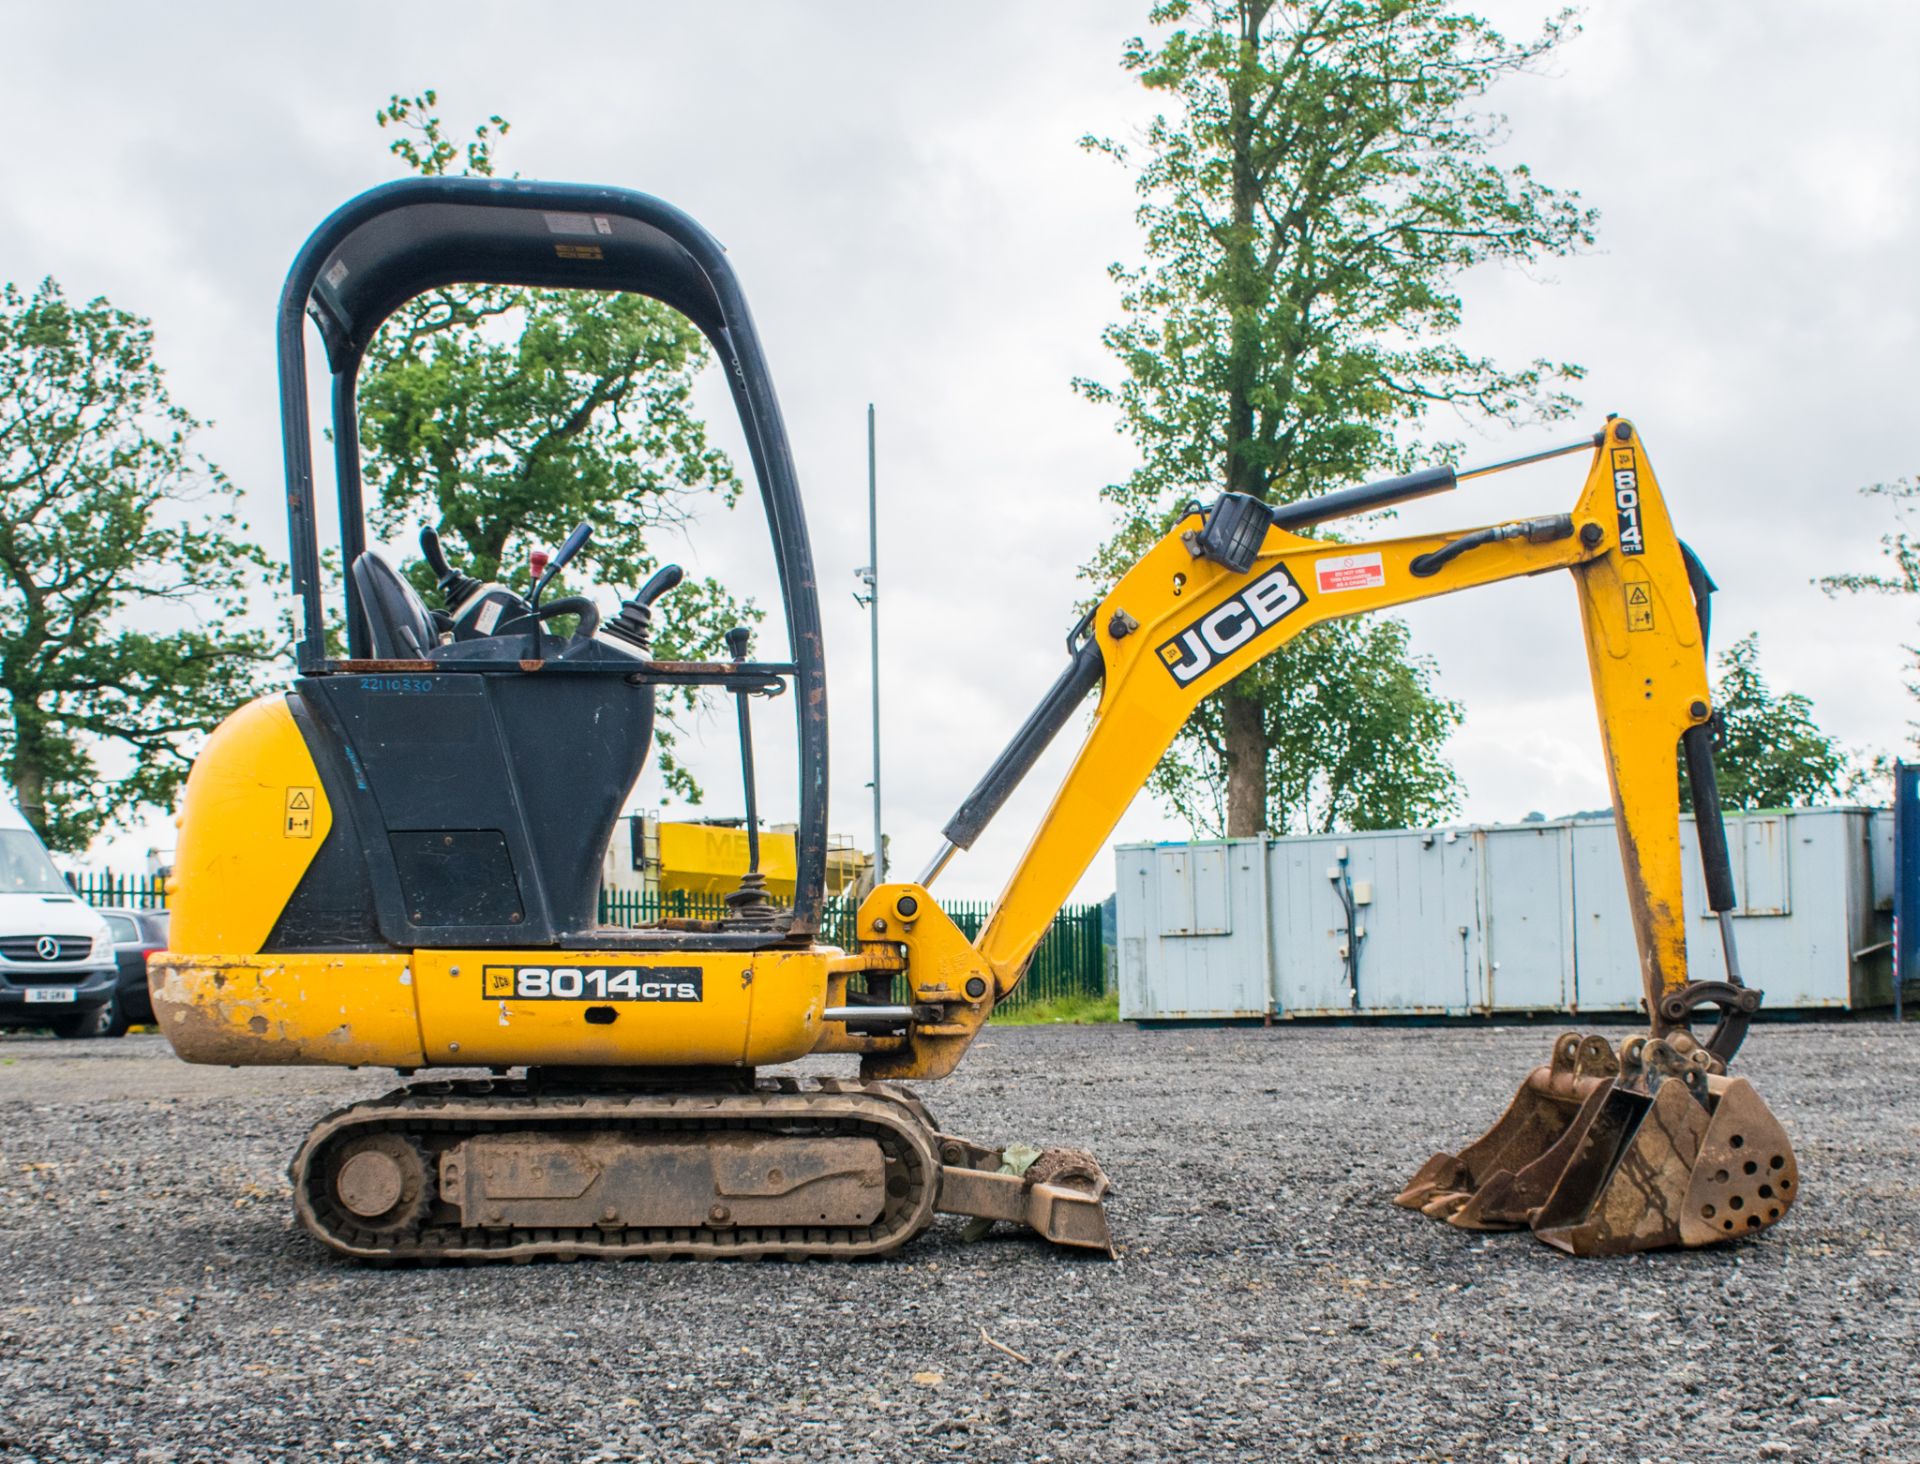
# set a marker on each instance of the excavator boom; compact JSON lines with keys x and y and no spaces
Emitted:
{"x":1229,"y":586}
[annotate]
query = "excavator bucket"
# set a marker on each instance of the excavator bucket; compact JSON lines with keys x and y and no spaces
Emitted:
{"x":1602,"y":1154}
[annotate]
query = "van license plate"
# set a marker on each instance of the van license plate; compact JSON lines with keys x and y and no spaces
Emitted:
{"x":50,"y":994}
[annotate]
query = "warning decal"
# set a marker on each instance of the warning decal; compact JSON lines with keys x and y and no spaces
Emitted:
{"x":299,"y":820}
{"x":1349,"y":572}
{"x":578,"y":223}
{"x":1639,"y":605}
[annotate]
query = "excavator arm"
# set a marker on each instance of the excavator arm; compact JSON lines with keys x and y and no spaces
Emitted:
{"x":1236,"y":583}
{"x":1178,"y":628}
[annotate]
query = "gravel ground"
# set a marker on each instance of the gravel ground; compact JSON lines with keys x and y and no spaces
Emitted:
{"x":1268,"y":1302}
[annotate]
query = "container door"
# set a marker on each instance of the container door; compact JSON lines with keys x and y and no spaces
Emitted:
{"x":1308,"y":929}
{"x":1530,"y":904}
{"x":1182,"y":956}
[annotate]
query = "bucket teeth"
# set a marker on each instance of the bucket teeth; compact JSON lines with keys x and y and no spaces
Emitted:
{"x":1603,"y":1155}
{"x":1443,"y":1181}
{"x":1510,"y":1197}
{"x":1500,"y":1164}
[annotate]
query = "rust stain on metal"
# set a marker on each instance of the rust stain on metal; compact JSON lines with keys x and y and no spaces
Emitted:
{"x":242,"y":1013}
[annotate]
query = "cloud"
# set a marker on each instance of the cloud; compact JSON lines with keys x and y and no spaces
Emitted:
{"x":901,"y":191}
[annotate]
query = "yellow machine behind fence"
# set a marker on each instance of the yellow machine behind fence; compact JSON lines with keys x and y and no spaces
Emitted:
{"x":396,"y":862}
{"x":690,"y":863}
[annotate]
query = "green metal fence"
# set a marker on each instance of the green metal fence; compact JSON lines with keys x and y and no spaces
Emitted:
{"x":129,"y":891}
{"x":1070,"y":962}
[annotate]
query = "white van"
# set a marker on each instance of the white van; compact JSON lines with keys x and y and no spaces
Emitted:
{"x":56,"y":955}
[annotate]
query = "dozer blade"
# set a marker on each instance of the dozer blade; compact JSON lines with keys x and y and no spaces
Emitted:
{"x":1602,"y":1155}
{"x":1060,"y":1193}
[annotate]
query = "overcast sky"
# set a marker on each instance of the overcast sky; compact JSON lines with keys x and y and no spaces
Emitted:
{"x":902,"y":195}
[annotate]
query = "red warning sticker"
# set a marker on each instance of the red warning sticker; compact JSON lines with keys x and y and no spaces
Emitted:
{"x":1349,"y":572}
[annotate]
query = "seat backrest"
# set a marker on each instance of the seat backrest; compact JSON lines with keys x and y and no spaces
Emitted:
{"x":399,"y":625}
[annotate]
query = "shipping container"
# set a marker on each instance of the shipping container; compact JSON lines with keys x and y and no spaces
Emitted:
{"x":1501,"y":918}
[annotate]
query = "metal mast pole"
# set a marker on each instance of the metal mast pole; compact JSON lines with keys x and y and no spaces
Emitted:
{"x":872,"y":577}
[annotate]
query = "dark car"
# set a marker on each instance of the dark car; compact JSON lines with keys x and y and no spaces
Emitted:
{"x":137,"y":934}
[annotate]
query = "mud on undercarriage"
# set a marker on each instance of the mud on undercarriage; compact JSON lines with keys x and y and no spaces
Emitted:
{"x":528,"y":1168}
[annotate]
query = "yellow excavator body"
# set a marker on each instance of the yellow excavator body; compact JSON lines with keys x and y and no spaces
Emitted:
{"x":396,"y":862}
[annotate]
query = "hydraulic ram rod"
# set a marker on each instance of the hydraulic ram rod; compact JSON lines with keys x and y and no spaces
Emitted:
{"x":1371,"y":497}
{"x":1585,"y":444}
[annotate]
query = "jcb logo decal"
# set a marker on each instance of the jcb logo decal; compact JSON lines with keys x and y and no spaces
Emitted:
{"x":1626,"y":502}
{"x":1226,"y":628}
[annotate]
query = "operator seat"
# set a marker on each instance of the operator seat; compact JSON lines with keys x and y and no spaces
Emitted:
{"x":399,"y":625}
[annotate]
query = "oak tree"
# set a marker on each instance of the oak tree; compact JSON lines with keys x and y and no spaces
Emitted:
{"x":1322,"y":175}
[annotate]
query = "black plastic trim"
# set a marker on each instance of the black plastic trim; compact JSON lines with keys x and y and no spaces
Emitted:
{"x":1716,"y":859}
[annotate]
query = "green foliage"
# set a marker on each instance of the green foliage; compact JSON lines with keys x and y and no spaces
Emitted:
{"x":1077,"y":1011}
{"x":428,"y":151}
{"x":505,"y":416}
{"x":1901,"y":549}
{"x":1321,"y":180}
{"x":1770,"y":754}
{"x":1353,"y":728}
{"x":124,"y":585}
{"x":582,"y":411}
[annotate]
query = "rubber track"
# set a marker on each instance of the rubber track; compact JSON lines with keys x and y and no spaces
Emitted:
{"x":438,"y":1115}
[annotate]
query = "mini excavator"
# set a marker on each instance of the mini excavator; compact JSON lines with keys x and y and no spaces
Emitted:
{"x":396,"y":861}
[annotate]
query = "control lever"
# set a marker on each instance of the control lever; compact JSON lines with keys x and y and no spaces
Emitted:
{"x":576,"y":541}
{"x":475,"y":609}
{"x":545,"y":568}
{"x":634,"y":623}
{"x":455,"y":588}
{"x":749,"y":904}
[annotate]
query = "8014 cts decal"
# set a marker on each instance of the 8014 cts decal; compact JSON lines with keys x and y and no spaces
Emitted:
{"x":1626,"y":502}
{"x":1227,"y":627}
{"x":590,"y":983}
